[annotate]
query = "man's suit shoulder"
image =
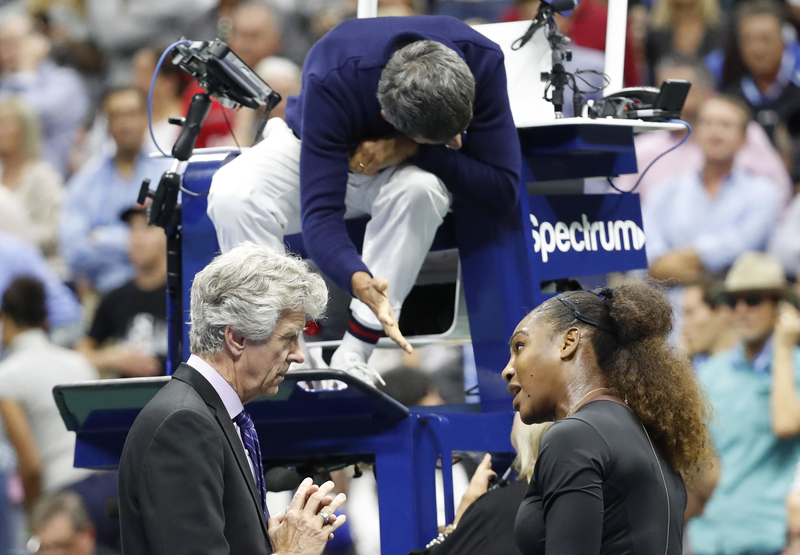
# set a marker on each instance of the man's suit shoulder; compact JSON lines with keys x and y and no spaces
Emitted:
{"x":175,"y":397}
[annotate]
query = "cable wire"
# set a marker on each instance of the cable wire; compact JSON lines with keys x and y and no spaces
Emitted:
{"x":657,"y":158}
{"x":192,"y":193}
{"x":152,"y":88}
{"x":225,"y":115}
{"x":593,"y":88}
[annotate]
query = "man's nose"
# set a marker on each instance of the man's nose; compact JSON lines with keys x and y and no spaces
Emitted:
{"x":508,"y":372}
{"x":454,"y":143}
{"x":297,"y":354}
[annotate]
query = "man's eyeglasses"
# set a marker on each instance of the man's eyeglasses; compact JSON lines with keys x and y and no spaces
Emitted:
{"x":749,"y":300}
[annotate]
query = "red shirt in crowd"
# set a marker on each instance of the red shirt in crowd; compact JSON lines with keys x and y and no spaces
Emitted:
{"x":215,"y":130}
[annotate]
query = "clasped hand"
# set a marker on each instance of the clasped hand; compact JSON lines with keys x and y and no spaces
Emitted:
{"x":372,"y":156}
{"x":301,"y":529}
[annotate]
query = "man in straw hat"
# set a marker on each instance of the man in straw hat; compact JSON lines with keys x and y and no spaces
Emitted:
{"x":754,"y":390}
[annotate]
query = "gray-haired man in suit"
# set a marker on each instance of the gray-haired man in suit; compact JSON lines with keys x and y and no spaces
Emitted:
{"x":191,"y":477}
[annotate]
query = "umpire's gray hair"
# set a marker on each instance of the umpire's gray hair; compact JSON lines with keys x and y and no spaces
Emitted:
{"x":426,"y":91}
{"x":249,"y":288}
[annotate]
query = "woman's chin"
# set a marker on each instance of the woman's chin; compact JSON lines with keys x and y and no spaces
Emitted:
{"x":529,"y":419}
{"x":529,"y":415}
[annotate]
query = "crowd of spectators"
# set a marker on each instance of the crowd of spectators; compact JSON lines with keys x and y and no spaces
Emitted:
{"x":83,"y":278}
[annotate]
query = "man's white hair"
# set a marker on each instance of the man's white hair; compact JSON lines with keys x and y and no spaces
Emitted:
{"x":249,"y":288}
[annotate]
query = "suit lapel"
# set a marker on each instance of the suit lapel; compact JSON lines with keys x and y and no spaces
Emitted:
{"x":189,"y":375}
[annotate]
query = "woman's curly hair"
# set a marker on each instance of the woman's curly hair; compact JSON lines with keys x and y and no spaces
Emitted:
{"x":655,"y":378}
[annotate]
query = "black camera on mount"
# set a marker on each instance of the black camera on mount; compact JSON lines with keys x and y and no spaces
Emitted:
{"x":223,"y":75}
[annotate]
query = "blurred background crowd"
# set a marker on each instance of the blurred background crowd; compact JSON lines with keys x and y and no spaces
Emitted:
{"x":83,"y":277}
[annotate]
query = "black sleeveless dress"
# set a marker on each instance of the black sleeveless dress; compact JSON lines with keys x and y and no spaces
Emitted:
{"x":600,"y":488}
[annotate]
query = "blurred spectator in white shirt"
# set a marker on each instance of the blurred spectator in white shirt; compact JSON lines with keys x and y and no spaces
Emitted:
{"x":34,"y":182}
{"x":14,"y":219}
{"x":31,"y":368}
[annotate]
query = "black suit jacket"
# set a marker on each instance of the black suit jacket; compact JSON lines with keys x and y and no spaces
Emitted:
{"x":185,"y":484}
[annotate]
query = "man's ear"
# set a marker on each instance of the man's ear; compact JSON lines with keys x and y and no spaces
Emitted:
{"x":234,"y":342}
{"x":383,"y":114}
{"x":569,"y":343}
{"x":7,"y":322}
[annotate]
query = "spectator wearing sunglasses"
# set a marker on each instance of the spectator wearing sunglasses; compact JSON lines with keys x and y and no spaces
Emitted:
{"x":753,"y":388}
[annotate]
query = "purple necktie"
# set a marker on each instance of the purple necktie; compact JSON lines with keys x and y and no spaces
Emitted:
{"x":250,"y":438}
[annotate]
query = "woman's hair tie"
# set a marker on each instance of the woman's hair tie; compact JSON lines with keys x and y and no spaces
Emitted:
{"x":578,"y":315}
{"x":606,"y":294}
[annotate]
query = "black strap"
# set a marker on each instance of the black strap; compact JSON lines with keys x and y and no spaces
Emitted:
{"x":538,"y":22}
{"x":576,"y":313}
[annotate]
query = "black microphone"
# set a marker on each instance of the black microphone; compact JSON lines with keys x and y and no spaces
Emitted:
{"x":280,"y":478}
{"x":192,"y":125}
{"x":495,"y":482}
{"x":546,"y":11}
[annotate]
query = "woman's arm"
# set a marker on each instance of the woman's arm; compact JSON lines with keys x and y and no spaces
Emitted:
{"x":477,"y":487}
{"x":569,"y":473}
{"x":784,"y":399}
{"x":19,"y":433}
{"x":574,"y":522}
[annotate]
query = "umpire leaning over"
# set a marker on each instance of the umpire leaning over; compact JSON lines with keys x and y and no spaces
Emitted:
{"x":395,"y":114}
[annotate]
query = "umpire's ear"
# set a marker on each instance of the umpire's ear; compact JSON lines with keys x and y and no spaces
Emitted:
{"x":234,"y":342}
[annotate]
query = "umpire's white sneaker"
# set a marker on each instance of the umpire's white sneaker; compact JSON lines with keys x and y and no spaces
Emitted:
{"x":353,"y":362}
